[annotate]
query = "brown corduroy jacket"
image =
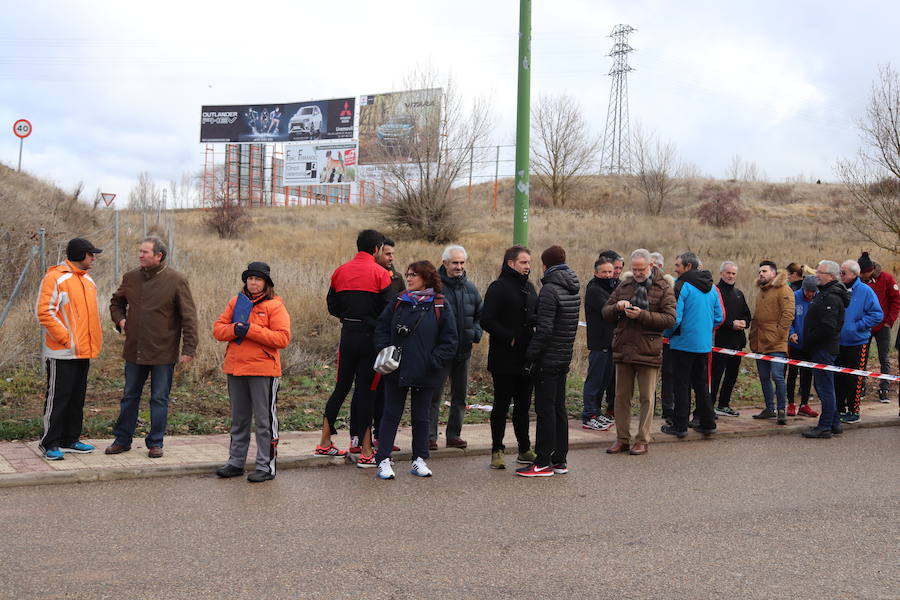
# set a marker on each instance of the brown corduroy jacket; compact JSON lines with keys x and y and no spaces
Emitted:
{"x":159,"y":311}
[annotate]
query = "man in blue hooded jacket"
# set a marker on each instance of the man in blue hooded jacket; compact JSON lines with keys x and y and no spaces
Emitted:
{"x":698,"y":313}
{"x":863,"y":313}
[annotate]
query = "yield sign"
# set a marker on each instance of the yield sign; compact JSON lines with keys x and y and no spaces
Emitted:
{"x":107,"y":198}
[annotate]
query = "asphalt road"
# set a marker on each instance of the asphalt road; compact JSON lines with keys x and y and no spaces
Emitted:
{"x":762,"y":517}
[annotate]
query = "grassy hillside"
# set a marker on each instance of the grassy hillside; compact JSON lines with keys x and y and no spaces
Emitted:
{"x":304,"y":245}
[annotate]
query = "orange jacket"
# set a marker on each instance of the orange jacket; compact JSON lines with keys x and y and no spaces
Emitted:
{"x":258,"y":354}
{"x":67,"y":310}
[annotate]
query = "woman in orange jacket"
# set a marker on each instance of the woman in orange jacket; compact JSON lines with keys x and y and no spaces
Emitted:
{"x":256,"y":326}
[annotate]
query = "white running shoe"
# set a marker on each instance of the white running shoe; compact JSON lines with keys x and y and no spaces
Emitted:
{"x":420,"y":469}
{"x":385,"y":470}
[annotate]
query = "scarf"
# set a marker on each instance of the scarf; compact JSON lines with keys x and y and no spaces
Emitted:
{"x":416,"y":296}
{"x":639,"y":298}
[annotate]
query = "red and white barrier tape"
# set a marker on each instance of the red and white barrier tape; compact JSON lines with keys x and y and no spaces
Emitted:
{"x":807,"y":364}
{"x":799,"y":363}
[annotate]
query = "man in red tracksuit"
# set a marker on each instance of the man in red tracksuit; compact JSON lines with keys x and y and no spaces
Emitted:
{"x":360,"y":289}
{"x":885,"y":287}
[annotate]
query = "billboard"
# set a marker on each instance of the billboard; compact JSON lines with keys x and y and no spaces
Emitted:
{"x":274,"y":122}
{"x":319,"y":163}
{"x":394,"y":127}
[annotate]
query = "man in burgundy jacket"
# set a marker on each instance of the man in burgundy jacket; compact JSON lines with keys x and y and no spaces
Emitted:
{"x":885,"y":287}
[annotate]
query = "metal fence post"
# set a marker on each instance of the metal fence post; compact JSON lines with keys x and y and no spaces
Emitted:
{"x":116,"y":243}
{"x":42,"y":236}
{"x":18,"y":286}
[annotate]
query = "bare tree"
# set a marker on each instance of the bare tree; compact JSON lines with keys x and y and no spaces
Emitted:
{"x":563,"y":147}
{"x":873,"y":178}
{"x":656,"y":168}
{"x":227,"y":217}
{"x":419,"y":175}
{"x":145,"y":194}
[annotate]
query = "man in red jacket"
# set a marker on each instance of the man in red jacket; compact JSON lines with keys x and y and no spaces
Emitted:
{"x":885,"y":287}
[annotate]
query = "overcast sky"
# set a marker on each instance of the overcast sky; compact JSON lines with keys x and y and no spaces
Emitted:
{"x":115,"y":88}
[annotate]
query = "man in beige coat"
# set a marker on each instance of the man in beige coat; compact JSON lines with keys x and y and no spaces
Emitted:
{"x":769,"y":335}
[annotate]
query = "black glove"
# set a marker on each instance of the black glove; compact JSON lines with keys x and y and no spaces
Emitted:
{"x":528,"y":368}
{"x":241,"y":329}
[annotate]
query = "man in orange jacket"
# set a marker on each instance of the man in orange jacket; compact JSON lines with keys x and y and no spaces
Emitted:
{"x":70,"y":331}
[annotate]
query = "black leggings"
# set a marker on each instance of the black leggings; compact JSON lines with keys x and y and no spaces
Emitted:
{"x":515,"y":388}
{"x":356,"y":357}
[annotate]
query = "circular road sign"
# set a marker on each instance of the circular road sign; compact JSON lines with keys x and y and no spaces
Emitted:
{"x":22,"y":128}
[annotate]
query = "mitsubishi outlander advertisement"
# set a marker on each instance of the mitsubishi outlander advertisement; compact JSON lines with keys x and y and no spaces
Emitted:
{"x":274,"y":122}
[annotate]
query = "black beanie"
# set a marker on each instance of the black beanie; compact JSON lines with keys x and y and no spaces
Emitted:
{"x":865,"y":263}
{"x":554,"y":255}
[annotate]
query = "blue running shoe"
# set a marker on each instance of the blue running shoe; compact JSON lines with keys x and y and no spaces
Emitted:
{"x":850,"y":418}
{"x":79,"y":448}
{"x":53,"y":454}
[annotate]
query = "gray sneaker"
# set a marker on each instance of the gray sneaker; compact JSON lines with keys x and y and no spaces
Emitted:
{"x":766,"y":414}
{"x":727,"y":412}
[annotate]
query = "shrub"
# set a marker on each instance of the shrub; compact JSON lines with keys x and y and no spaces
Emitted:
{"x":721,"y":206}
{"x":779,"y":193}
{"x":435,"y":218}
{"x":228,"y":221}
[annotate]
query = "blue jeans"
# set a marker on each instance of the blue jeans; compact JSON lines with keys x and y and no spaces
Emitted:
{"x":599,"y":372}
{"x":769,"y":372}
{"x":160,"y":385}
{"x":824,"y":384}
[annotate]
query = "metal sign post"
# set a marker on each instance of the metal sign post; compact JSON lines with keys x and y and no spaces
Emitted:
{"x":22,"y":129}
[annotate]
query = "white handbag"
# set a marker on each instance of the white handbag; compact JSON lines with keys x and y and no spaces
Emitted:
{"x":388,"y":359}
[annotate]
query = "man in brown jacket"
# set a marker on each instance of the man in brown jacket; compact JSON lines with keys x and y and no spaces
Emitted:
{"x":769,"y":335}
{"x":642,"y":306}
{"x":155,"y":301}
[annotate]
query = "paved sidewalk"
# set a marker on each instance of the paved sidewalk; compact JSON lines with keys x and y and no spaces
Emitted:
{"x":21,"y":462}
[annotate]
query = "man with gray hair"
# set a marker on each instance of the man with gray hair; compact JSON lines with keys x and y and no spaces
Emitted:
{"x":820,"y":339}
{"x":462,"y":297}
{"x":641,"y":306}
{"x":154,"y":308}
{"x":730,"y":335}
{"x":863,"y":313}
{"x":657,"y":260}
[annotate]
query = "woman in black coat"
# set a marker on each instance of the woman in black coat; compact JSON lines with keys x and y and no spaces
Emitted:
{"x":417,"y":322}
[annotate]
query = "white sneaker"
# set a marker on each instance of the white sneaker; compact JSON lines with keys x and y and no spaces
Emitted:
{"x":385,"y":470}
{"x":420,"y":469}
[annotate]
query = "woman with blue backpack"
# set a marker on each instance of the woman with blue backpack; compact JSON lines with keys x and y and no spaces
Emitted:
{"x":416,"y":328}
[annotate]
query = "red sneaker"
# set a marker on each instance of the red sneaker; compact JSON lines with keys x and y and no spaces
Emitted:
{"x":331,"y":450}
{"x":366,"y":462}
{"x":808,"y":411}
{"x":533,"y":470}
{"x":354,"y":449}
{"x":792,"y":410}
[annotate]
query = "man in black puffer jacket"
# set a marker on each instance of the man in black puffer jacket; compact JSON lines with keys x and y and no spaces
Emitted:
{"x":510,"y":306}
{"x":729,"y":335}
{"x":462,"y":298}
{"x":550,"y":353}
{"x":821,"y":341}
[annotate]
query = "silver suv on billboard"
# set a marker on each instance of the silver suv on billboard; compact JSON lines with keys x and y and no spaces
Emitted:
{"x":399,"y":130}
{"x":306,"y":124}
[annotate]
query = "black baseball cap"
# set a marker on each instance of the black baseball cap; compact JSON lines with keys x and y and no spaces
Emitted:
{"x":78,"y":247}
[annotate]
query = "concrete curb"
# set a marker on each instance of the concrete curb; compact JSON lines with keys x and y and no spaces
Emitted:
{"x":309,"y":461}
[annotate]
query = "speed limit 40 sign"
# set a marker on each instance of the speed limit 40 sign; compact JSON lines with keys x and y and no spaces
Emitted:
{"x":22,"y":128}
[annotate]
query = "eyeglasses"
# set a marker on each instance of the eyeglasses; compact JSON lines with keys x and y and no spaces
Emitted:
{"x":408,"y":275}
{"x":843,"y":272}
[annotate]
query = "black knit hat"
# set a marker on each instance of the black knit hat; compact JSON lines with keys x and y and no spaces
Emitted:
{"x":865,"y":263}
{"x":554,"y":255}
{"x":78,"y":247}
{"x":258,"y":269}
